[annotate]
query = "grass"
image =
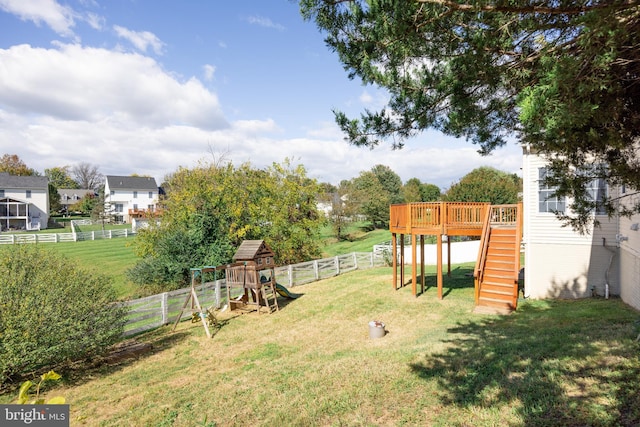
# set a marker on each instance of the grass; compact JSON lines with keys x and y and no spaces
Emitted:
{"x":558,"y":362}
{"x":359,"y":239}
{"x":111,"y":257}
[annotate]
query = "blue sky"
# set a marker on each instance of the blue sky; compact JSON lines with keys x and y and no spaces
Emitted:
{"x":146,"y":86}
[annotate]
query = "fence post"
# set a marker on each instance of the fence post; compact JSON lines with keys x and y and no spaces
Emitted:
{"x":372,"y":259}
{"x":316,"y":270}
{"x":355,"y":260}
{"x":93,"y":235}
{"x":337,"y":264}
{"x":126,"y":231}
{"x":290,"y":275}
{"x":110,"y":234}
{"x":164,"y":307}
{"x":218,"y":293}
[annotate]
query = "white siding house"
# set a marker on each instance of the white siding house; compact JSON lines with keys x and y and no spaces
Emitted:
{"x":24,"y":202}
{"x":630,"y":252}
{"x":130,"y":196}
{"x":71,"y":196}
{"x":562,"y":263}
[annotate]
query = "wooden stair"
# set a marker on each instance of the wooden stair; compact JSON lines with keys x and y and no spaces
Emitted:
{"x":498,"y":281}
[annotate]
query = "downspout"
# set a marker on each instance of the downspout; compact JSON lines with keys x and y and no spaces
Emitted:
{"x":606,"y":274}
{"x":526,"y":232}
{"x":613,"y":254}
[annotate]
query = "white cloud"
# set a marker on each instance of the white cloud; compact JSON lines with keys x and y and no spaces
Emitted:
{"x":376,"y":100}
{"x":209,"y":71}
{"x":95,"y":21}
{"x":140,"y":39}
{"x":97,"y":85}
{"x":265,"y":22}
{"x":46,"y":141}
{"x":366,"y":98}
{"x":57,"y":17}
{"x":326,"y":130}
{"x":125,"y":113}
{"x":254,"y":127}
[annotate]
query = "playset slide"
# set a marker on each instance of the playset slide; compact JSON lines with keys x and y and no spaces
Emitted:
{"x":285,"y":292}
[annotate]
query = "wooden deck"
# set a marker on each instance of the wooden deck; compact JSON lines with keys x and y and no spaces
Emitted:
{"x":450,"y":218}
{"x":439,"y":219}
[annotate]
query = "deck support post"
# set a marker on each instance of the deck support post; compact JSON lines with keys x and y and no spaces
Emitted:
{"x":439,"y":268}
{"x":401,"y":260}
{"x":448,"y":256}
{"x":414,"y":265}
{"x":422,"y":272}
{"x":394,"y":262}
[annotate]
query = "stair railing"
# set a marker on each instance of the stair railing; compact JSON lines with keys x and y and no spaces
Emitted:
{"x":478,"y":272}
{"x":516,"y":264}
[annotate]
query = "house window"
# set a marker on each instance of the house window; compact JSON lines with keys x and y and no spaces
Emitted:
{"x":112,"y":192}
{"x":135,"y":194}
{"x":597,"y":190}
{"x":150,"y":208}
{"x":151,"y":194}
{"x":2,"y":193}
{"x":119,"y":207}
{"x":135,"y":207}
{"x":28,"y":194}
{"x":547,"y":199}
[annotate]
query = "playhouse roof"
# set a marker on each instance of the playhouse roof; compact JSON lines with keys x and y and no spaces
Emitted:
{"x":252,"y":249}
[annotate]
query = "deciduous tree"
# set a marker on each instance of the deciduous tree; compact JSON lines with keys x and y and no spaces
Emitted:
{"x":415,"y":191}
{"x":486,"y":184}
{"x":211,"y":208}
{"x":87,"y":176}
{"x":13,"y":165}
{"x":60,"y":178}
{"x":561,"y":76}
{"x":370,"y":198}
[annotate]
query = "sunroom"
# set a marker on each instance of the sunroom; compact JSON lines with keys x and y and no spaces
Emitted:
{"x":17,"y":215}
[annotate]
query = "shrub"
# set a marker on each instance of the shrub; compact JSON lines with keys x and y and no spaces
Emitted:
{"x":175,"y":252}
{"x":52,"y":312}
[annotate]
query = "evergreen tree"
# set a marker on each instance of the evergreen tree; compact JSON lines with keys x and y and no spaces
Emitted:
{"x":562,"y":76}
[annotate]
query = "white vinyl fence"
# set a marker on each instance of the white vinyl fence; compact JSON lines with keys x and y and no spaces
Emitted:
{"x":161,"y":309}
{"x":74,"y":236}
{"x":10,"y":239}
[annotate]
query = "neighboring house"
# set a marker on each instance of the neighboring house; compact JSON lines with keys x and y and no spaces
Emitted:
{"x":130,"y":197}
{"x":326,"y":206}
{"x":71,"y":196}
{"x":24,"y":202}
{"x":562,"y":263}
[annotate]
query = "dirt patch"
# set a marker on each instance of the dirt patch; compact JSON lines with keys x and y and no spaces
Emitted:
{"x":127,"y":349}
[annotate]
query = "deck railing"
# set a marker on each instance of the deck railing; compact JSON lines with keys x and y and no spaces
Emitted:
{"x":436,"y":217}
{"x":504,"y":215}
{"x":478,"y":271}
{"x":465,"y":215}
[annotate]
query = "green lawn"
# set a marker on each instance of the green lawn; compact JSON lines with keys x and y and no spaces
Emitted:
{"x":111,"y":257}
{"x":564,"y":363}
{"x":360,"y":239}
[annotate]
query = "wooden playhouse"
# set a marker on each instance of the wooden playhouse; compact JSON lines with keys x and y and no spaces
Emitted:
{"x":251,"y":280}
